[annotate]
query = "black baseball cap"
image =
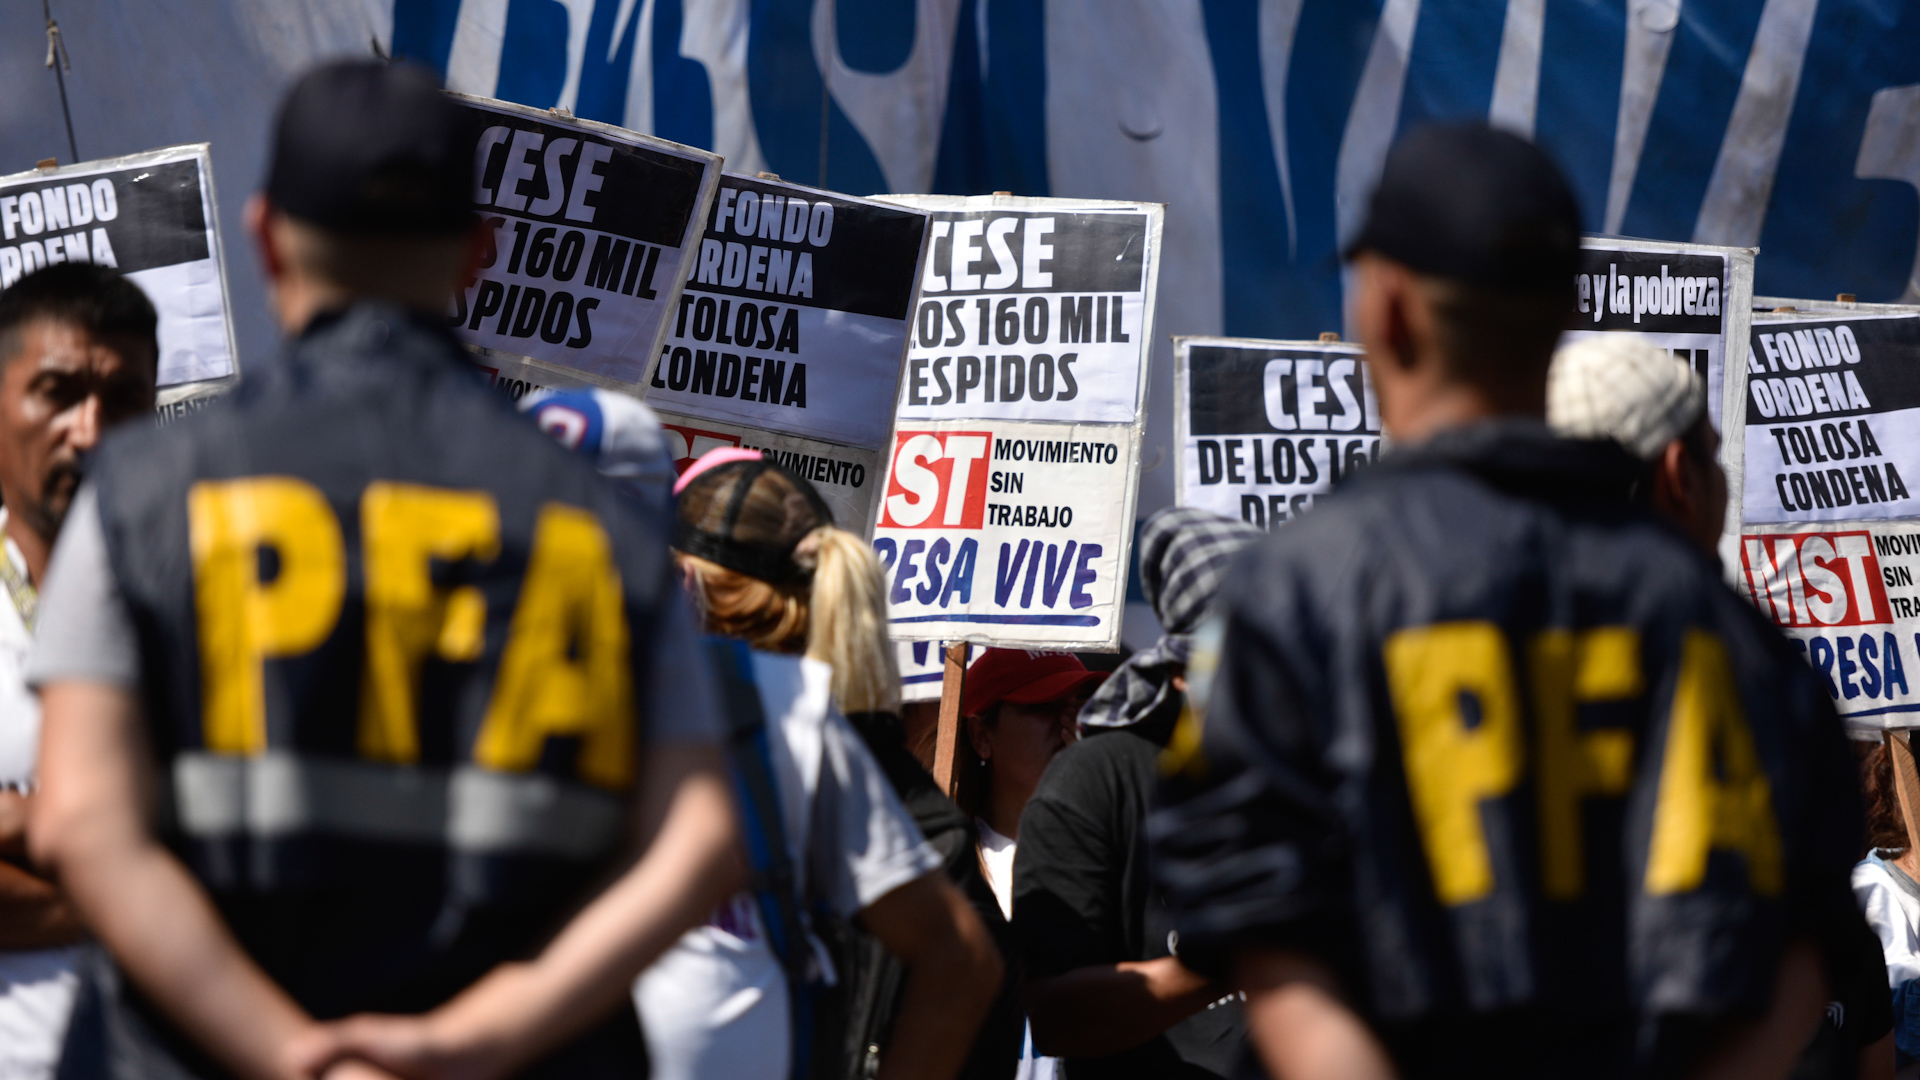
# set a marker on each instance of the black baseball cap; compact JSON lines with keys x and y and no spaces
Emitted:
{"x":1474,"y":204}
{"x":368,"y":146}
{"x":713,"y":520}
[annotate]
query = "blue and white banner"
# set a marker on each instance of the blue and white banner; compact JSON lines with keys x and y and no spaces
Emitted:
{"x":1262,"y":124}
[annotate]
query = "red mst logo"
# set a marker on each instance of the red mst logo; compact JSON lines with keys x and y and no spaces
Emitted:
{"x":938,"y":480}
{"x":1815,"y":579}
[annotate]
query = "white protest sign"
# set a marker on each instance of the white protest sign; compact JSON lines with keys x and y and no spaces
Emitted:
{"x":1265,"y":427}
{"x":923,"y":668}
{"x":847,"y":477}
{"x":1008,"y":533}
{"x":153,"y":216}
{"x":1033,"y":309}
{"x":591,"y":232}
{"x":796,"y":316}
{"x":1691,"y":299}
{"x":1832,"y":418}
{"x":1846,"y":595}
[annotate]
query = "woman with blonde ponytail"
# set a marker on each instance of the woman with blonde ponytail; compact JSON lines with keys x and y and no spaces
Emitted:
{"x":764,"y":563}
{"x":838,"y":618}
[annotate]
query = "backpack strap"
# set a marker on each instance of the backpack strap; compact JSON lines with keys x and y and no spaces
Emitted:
{"x":774,"y":882}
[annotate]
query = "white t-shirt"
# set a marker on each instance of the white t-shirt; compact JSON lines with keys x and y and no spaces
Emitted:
{"x":1891,"y":901}
{"x":19,"y":709}
{"x":715,"y":1005}
{"x":36,"y":985}
{"x":996,"y":860}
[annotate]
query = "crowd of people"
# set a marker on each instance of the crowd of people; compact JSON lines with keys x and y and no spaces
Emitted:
{"x":360,"y":726}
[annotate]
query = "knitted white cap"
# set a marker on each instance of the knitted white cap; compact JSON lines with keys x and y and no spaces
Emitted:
{"x":1621,"y":387}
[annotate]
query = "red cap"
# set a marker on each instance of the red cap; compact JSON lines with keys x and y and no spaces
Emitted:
{"x":1023,"y":678}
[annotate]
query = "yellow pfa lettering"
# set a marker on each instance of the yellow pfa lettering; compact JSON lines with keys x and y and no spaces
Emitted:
{"x":404,"y":528}
{"x":1432,"y":672}
{"x":1568,"y":669}
{"x":269,"y":574}
{"x":565,"y":669}
{"x":1713,"y":792}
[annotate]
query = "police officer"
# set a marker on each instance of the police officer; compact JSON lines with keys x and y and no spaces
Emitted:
{"x":407,"y":676}
{"x":1495,"y":778}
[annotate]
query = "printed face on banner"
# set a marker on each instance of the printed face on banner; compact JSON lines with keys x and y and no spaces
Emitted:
{"x":1847,"y":598}
{"x":588,"y":233}
{"x":1032,"y":314}
{"x":1832,"y":406}
{"x":795,"y":316}
{"x":153,"y":222}
{"x":1009,"y":532}
{"x":1674,"y":300}
{"x":1270,"y":426}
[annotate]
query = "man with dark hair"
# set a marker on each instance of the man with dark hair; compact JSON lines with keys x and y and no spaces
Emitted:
{"x":1494,"y":776}
{"x":77,"y":355}
{"x":437,"y":734}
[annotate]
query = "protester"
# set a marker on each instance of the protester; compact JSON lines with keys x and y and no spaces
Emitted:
{"x":1411,"y":865}
{"x":764,"y":562}
{"x":437,"y":733}
{"x":1887,"y":885}
{"x":78,"y":354}
{"x":1105,"y":991}
{"x":1020,"y":709}
{"x":1624,"y":388}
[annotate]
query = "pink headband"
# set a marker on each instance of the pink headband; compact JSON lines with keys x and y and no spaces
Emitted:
{"x":711,"y":458}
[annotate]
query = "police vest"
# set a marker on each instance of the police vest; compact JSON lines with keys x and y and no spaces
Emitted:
{"x":1502,"y":745}
{"x":390,"y":640}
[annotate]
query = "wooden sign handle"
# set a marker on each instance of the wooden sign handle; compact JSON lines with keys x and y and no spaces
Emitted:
{"x":1906,"y":782}
{"x":947,"y":737}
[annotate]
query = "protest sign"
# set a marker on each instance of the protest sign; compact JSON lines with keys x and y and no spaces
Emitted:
{"x":1831,"y":409}
{"x":847,"y":477}
{"x":1264,"y":427}
{"x":591,"y":230}
{"x":795,"y":318}
{"x":1846,"y":595}
{"x":152,"y":216}
{"x":923,"y":665}
{"x":1008,"y":533}
{"x":1693,"y":300}
{"x":1033,"y":309}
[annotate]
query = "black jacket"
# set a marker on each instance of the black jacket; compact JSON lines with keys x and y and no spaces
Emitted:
{"x":1498,"y":746}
